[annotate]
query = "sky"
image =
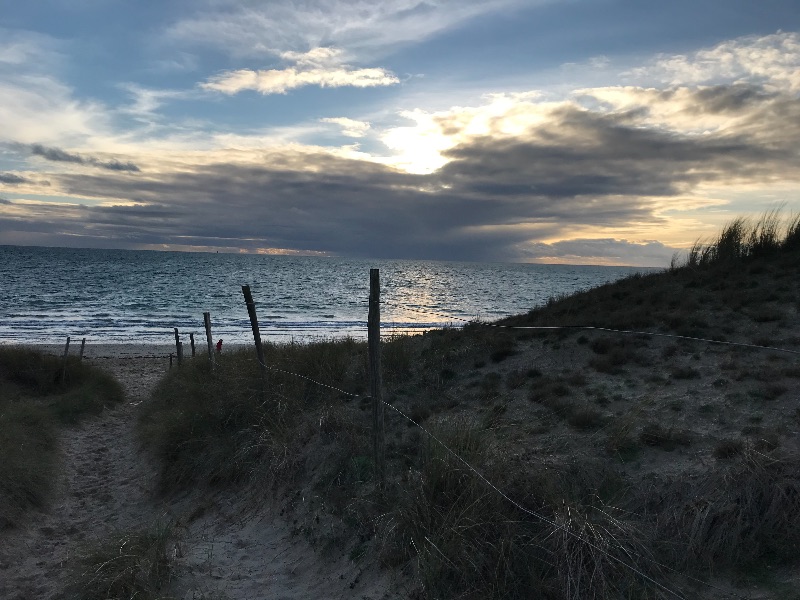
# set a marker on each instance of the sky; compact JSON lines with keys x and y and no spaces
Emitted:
{"x":554,"y":131}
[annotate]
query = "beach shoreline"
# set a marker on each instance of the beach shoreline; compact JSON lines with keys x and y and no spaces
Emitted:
{"x":127,"y":350}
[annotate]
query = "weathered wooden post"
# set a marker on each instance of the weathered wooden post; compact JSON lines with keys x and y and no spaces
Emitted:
{"x":170,"y":360}
{"x":251,"y":311}
{"x":64,"y":365}
{"x":375,"y":379}
{"x":83,"y":345}
{"x":178,"y":346}
{"x":207,"y":323}
{"x":191,"y":341}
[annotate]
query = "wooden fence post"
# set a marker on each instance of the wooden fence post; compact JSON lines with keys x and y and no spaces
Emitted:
{"x":191,"y":341}
{"x":207,"y":323}
{"x":251,"y":311}
{"x":83,"y":345}
{"x":64,"y":365}
{"x":170,"y":360}
{"x":178,"y":346}
{"x":375,"y":379}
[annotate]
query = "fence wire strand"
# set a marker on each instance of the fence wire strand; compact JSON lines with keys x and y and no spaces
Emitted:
{"x":597,"y":328}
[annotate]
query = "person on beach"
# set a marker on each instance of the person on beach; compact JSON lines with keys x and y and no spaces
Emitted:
{"x":219,"y":346}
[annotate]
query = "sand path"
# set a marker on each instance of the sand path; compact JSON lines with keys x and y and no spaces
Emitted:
{"x":222,"y":548}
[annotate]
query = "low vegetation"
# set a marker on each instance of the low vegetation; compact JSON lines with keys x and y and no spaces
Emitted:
{"x":124,"y":565}
{"x":620,"y":465}
{"x":36,"y":396}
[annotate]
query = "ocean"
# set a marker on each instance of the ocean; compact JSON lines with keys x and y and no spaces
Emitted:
{"x":125,"y":296}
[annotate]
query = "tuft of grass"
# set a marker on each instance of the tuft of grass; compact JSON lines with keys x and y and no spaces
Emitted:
{"x":685,"y":373}
{"x":726,"y":449}
{"x":469,"y":542}
{"x":231,"y":424}
{"x":744,"y":239}
{"x":124,"y":565}
{"x":586,"y":419}
{"x":739,"y":515}
{"x":653,"y":434}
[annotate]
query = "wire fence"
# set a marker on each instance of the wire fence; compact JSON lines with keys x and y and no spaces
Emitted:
{"x":670,"y":590}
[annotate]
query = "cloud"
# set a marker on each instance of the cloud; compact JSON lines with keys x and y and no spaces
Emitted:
{"x":147,"y":101}
{"x":4,"y":201}
{"x":11,"y":179}
{"x":58,"y":155}
{"x":55,"y":154}
{"x":367,"y":30}
{"x":350,"y":127}
{"x":578,"y":152}
{"x":772,"y":61}
{"x":23,"y":48}
{"x":607,"y":251}
{"x":319,"y":67}
{"x":318,"y":202}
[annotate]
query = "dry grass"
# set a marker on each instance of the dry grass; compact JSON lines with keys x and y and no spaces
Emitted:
{"x":34,"y":400}
{"x":123,"y":566}
{"x":740,"y":514}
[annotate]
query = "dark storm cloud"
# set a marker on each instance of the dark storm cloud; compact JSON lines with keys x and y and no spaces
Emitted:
{"x":55,"y":154}
{"x":580,"y":154}
{"x":496,"y":199}
{"x":11,"y":179}
{"x":58,"y":155}
{"x":344,"y":206}
{"x":731,"y":98}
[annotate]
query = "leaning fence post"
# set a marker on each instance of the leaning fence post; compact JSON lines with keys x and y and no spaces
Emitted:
{"x":178,"y":352}
{"x":83,"y":345}
{"x":207,"y":323}
{"x":191,"y":341}
{"x":251,"y":311}
{"x":64,"y":365}
{"x":374,"y":344}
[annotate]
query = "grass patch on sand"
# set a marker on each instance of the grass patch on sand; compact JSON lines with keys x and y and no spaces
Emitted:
{"x":34,"y":400}
{"x":124,"y":565}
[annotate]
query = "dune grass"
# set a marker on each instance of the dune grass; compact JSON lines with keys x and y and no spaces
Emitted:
{"x":575,"y":448}
{"x":234,"y":423}
{"x":745,"y":238}
{"x":34,"y":401}
{"x":227,"y":427}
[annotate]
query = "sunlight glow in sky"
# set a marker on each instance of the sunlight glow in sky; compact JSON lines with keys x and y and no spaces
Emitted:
{"x":582,"y":131}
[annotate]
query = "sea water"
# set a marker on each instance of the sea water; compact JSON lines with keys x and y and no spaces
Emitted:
{"x":124,"y":296}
